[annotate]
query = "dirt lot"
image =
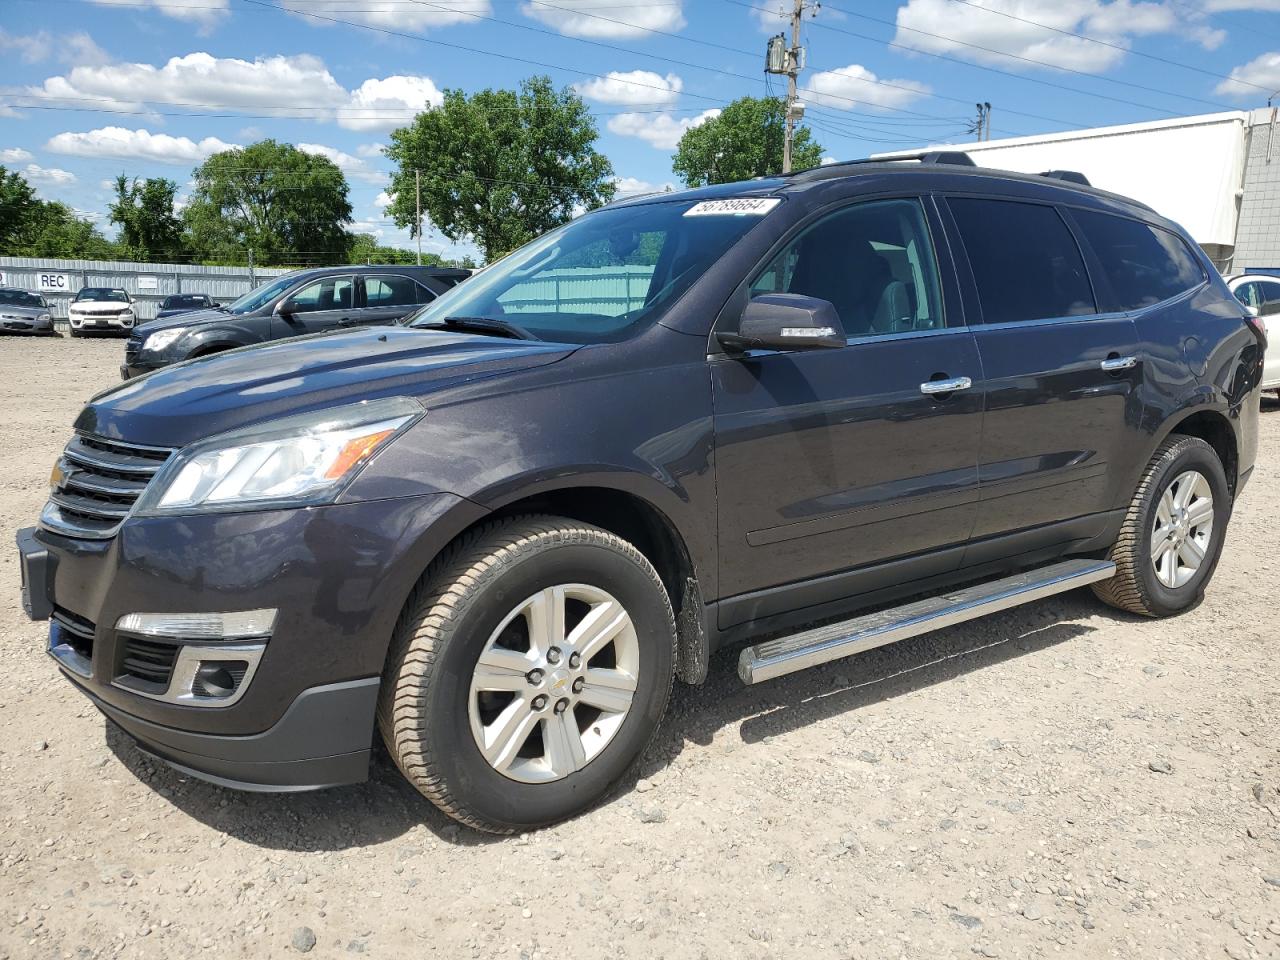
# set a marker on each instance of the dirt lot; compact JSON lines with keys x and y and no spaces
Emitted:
{"x":1060,"y":780}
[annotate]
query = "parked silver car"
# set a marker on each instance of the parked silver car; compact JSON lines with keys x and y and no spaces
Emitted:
{"x":22,"y":311}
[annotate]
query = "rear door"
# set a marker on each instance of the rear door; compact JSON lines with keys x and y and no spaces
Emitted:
{"x":388,"y":297}
{"x":830,"y":462}
{"x":1061,"y":376}
{"x":324,"y":304}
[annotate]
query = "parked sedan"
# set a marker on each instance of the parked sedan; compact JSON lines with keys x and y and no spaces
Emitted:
{"x":24,"y":312}
{"x":178,"y":303}
{"x":305,"y":301}
{"x":101,"y":310}
{"x":1260,"y":292}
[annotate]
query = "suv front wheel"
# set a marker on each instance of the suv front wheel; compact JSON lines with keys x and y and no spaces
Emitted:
{"x":528,"y":672}
{"x":1172,"y":534}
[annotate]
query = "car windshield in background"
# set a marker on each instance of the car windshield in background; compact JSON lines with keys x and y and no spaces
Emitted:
{"x":184,"y":300}
{"x":102,"y":293}
{"x":261,"y":297}
{"x":20,"y":298}
{"x":601,"y":278}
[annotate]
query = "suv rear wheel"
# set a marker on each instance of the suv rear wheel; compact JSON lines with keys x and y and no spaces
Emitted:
{"x":1172,"y":534}
{"x":528,"y":673}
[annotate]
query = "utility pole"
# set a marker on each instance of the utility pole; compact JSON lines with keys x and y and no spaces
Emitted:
{"x":789,"y":60}
{"x":253,"y":277}
{"x":417,"y":204}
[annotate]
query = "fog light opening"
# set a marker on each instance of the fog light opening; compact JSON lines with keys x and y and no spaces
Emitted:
{"x":218,"y":678}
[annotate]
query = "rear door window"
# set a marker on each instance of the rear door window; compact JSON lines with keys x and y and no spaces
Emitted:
{"x":390,"y":290}
{"x":1144,"y":264}
{"x":1250,"y":294}
{"x":1025,"y":262}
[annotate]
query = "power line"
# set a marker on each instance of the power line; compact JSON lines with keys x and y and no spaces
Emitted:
{"x":1114,"y":46}
{"x":1022,"y":59}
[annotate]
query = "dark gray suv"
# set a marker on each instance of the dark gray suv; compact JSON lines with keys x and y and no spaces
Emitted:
{"x":306,"y":301}
{"x":499,"y":532}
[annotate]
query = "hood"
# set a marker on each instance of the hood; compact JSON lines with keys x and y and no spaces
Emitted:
{"x":100,"y":305}
{"x":188,"y":318}
{"x":199,"y":398}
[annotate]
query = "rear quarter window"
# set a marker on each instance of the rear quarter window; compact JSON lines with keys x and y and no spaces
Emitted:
{"x":1143,"y":263}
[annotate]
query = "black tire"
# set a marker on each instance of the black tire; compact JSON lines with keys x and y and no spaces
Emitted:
{"x":1135,"y":587}
{"x":447,"y":623}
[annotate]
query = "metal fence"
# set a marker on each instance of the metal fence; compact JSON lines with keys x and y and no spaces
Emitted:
{"x":581,"y":290}
{"x":58,"y":281}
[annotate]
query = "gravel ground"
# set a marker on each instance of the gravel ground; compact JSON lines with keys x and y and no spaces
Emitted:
{"x":1059,"y":780}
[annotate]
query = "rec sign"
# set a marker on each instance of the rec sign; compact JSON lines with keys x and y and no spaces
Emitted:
{"x":54,"y":282}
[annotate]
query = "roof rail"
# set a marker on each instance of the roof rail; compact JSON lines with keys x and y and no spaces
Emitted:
{"x":1070,"y":176}
{"x":830,"y":170}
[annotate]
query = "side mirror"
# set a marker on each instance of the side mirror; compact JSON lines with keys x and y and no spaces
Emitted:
{"x":284,"y":308}
{"x":785,"y":321}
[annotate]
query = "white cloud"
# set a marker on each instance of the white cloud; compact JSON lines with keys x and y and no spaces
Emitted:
{"x":606,"y":18}
{"x":631,"y":186}
{"x":15,"y":155}
{"x":948,"y":26}
{"x":633,"y":88}
{"x":121,"y":143}
{"x":204,"y":12}
{"x":386,"y":104}
{"x":1261,"y":71}
{"x":661,"y":130}
{"x":1223,"y":6}
{"x":854,"y":86}
{"x":370,"y":150}
{"x":353,"y":167}
{"x":277,"y":85}
{"x":382,"y":200}
{"x":48,"y":176}
{"x":426,"y":15}
{"x":828,"y":160}
{"x":32,"y":49}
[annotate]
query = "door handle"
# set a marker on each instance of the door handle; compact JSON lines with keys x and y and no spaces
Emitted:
{"x":930,"y":387}
{"x":346,"y":322}
{"x":1114,"y":364}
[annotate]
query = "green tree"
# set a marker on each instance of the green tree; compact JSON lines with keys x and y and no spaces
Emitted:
{"x":144,"y":211}
{"x":271,"y":198}
{"x":744,"y":141}
{"x":500,"y":167}
{"x":366,"y":249}
{"x":53,"y":230}
{"x":17,"y":205}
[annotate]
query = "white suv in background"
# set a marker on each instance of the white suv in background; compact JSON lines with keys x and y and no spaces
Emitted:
{"x":101,"y":309}
{"x":1260,"y":292}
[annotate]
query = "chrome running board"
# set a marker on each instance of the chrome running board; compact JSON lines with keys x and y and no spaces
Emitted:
{"x":783,"y":655}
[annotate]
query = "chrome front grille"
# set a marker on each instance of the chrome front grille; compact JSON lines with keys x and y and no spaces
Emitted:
{"x":96,"y":484}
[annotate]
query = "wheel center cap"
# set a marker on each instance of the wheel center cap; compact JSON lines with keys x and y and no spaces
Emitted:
{"x":559,"y":680}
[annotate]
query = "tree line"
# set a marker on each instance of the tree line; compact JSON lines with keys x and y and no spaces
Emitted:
{"x":496,"y":168}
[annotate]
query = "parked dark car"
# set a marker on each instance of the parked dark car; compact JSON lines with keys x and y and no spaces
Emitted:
{"x":497,"y":535}
{"x":22,"y":311}
{"x":178,"y":303}
{"x":306,"y":301}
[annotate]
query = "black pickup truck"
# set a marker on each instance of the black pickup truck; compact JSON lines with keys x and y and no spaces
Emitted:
{"x":500,"y":532}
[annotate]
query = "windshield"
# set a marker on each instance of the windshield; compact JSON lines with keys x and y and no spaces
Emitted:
{"x":602,"y":278}
{"x":262,"y":296}
{"x":102,"y":293}
{"x":20,"y":298}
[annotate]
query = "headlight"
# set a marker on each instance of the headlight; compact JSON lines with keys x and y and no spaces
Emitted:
{"x":45,"y":317}
{"x":162,"y":338}
{"x":298,"y":461}
{"x":126,"y":314}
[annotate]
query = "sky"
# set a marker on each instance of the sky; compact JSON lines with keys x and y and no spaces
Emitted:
{"x":90,"y":89}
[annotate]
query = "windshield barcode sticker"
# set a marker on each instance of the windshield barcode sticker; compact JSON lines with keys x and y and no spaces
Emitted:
{"x":737,"y":207}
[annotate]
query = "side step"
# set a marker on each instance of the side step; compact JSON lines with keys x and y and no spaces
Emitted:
{"x":783,"y":655}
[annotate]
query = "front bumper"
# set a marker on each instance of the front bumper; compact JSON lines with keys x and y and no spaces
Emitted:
{"x":10,"y":325}
{"x":336,"y":575}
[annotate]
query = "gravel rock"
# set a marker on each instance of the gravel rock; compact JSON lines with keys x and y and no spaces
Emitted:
{"x":303,"y":940}
{"x":1160,"y":766}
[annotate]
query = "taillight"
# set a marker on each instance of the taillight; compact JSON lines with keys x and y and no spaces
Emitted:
{"x":1258,"y":327}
